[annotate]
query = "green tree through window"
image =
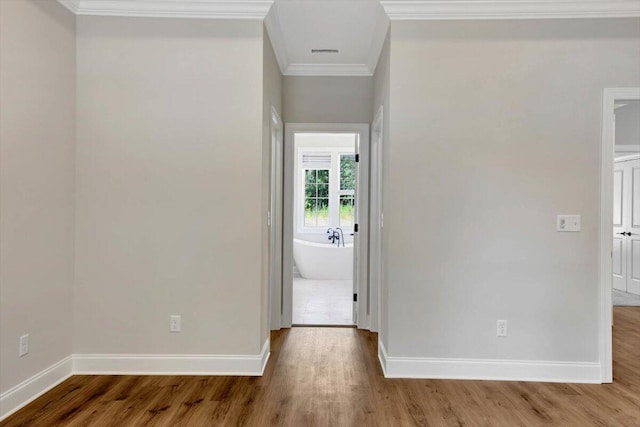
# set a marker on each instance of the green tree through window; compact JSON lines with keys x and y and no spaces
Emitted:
{"x":316,"y":197}
{"x":347,"y":189}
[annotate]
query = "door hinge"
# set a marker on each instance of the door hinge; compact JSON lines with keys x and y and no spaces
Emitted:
{"x":355,"y":228}
{"x":357,"y":158}
{"x":355,"y":297}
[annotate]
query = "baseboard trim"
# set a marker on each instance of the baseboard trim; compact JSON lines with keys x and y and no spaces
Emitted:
{"x":24,"y":393}
{"x":172,"y":364}
{"x":382,"y":358}
{"x":265,"y":353}
{"x":488,"y":369}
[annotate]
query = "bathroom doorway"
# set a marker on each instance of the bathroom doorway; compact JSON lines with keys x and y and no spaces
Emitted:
{"x":325,"y":212}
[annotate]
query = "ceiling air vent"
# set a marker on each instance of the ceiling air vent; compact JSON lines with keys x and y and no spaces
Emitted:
{"x":324,"y":51}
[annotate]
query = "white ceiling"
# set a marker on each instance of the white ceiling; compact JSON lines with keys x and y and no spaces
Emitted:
{"x":356,"y":28}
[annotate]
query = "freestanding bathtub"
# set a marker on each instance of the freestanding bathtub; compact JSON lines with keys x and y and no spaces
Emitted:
{"x":323,"y":261}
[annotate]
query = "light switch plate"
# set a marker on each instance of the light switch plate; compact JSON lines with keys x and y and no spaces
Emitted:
{"x":175,"y":323}
{"x":568,"y":223}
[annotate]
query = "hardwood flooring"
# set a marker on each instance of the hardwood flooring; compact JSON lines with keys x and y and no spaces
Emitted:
{"x":331,"y":377}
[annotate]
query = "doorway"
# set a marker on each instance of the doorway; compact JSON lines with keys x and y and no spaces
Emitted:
{"x":325,"y":225}
{"x":620,"y":214}
{"x":626,"y":205}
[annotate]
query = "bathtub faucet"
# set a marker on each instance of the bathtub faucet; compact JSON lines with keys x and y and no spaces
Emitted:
{"x":341,"y":237}
{"x":334,"y":236}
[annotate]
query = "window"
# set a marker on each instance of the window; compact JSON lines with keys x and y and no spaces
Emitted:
{"x":347,"y":189}
{"x":316,"y":197}
{"x":326,"y":189}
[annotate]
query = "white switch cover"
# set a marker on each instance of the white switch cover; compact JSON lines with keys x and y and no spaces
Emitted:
{"x":24,"y":345}
{"x":174,"y":323}
{"x":568,"y":223}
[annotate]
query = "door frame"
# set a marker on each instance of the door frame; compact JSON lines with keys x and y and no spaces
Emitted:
{"x":362,"y":220}
{"x":375,"y":219}
{"x":609,"y":97}
{"x":274,"y":218}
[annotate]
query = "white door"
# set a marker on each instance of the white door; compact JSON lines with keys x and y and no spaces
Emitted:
{"x":633,"y":234}
{"x":619,"y":230}
{"x":356,"y":237}
{"x":626,"y":226}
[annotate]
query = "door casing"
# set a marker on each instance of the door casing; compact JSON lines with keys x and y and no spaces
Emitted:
{"x":375,"y":220}
{"x":274,"y":220}
{"x":363,"y":216}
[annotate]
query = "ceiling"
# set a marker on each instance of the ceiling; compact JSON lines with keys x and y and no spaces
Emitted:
{"x":356,"y":28}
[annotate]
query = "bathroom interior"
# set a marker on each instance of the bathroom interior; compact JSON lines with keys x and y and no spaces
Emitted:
{"x":324,"y":215}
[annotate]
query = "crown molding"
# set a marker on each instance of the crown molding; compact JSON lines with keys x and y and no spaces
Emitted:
{"x":278,"y":42}
{"x":72,"y":5}
{"x":377,"y":41}
{"x":328,"y":70}
{"x":211,"y":9}
{"x":509,"y":9}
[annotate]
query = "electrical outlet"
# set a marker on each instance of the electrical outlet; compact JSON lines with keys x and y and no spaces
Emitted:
{"x":174,"y":323}
{"x":502,"y":328}
{"x":23,"y":349}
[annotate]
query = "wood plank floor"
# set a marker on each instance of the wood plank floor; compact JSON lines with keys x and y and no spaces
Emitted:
{"x":331,"y":377}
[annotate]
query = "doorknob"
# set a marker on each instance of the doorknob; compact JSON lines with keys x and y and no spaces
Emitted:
{"x":624,"y":233}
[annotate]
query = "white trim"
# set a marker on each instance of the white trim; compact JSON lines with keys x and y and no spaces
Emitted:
{"x":72,"y":5}
{"x":605,"y":239}
{"x":278,"y":42}
{"x":210,"y":9}
{"x":382,"y":358}
{"x":27,"y":391}
{"x":627,"y":148}
{"x":488,"y":369}
{"x":509,"y":9}
{"x":328,"y":70}
{"x":275,"y":230}
{"x":265,"y":353}
{"x":377,"y":41}
{"x":334,"y":153}
{"x":171,"y":364}
{"x":375,"y":217}
{"x":627,"y":157}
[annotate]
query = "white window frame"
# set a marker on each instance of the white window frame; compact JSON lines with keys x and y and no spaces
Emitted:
{"x":334,"y":189}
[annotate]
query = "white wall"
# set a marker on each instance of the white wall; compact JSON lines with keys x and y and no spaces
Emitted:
{"x":495,"y":129}
{"x":327,"y":99}
{"x":37,"y":136}
{"x":170,"y":186}
{"x":381,"y":87}
{"x":272,"y":97}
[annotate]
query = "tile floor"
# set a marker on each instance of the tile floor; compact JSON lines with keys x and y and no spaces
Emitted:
{"x":322,"y":302}
{"x":625,"y":299}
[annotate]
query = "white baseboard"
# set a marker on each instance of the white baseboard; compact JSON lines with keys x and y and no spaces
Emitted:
{"x":16,"y":397}
{"x":131,"y":364}
{"x":171,"y":364}
{"x":488,"y":369}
